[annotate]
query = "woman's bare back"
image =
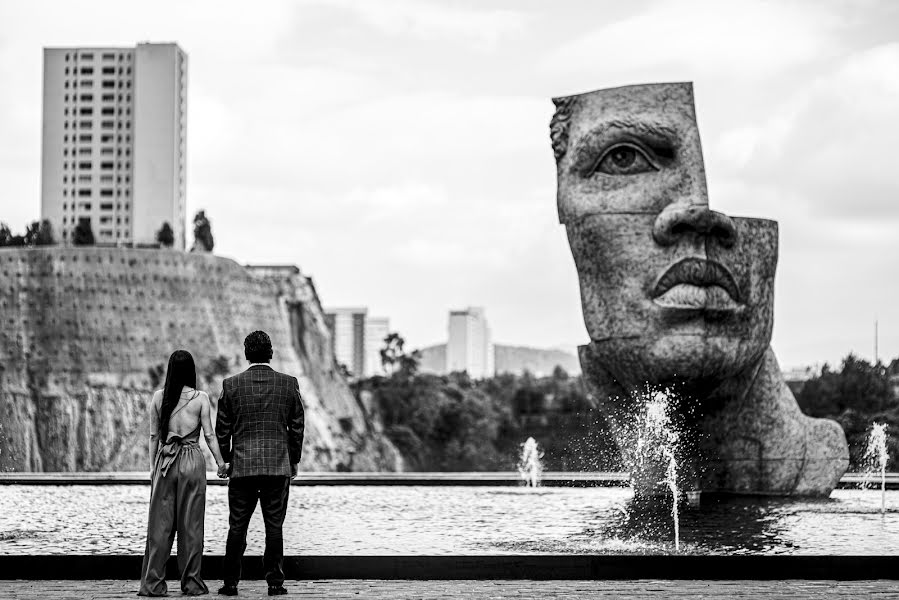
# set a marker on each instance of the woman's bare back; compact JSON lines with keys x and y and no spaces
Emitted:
{"x":188,"y":413}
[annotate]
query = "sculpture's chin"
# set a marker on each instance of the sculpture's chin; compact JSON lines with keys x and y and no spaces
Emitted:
{"x":694,"y":359}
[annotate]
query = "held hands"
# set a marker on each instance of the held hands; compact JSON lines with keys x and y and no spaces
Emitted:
{"x":223,"y":470}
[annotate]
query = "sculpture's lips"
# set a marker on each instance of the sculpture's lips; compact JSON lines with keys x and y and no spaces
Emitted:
{"x":696,"y":283}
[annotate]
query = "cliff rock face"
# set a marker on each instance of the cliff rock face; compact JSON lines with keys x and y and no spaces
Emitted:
{"x":85,"y":335}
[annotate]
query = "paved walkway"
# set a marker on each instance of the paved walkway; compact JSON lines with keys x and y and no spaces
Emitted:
{"x":426,"y":590}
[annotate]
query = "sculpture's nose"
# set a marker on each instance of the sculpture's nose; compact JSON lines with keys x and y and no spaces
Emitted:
{"x":680,"y":220}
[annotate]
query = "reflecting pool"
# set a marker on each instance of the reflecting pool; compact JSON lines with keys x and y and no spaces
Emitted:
{"x":461,"y":520}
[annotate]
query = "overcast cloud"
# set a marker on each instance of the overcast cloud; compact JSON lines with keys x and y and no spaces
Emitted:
{"x":398,"y":151}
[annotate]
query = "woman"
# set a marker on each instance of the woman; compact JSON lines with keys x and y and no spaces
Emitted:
{"x":178,"y":475}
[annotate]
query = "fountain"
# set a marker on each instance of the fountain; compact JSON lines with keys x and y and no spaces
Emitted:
{"x":656,"y":442}
{"x":875,"y":460}
{"x":530,"y":465}
{"x":675,"y":293}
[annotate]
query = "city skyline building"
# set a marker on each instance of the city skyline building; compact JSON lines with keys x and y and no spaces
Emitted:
{"x":469,"y":346}
{"x":357,"y":339}
{"x":376,"y":329}
{"x":347,"y":326}
{"x":114,"y":142}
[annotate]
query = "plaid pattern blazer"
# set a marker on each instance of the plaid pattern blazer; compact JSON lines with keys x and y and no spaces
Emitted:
{"x":260,"y":422}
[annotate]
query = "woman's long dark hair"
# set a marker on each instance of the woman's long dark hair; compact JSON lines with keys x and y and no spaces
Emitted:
{"x":181,"y":372}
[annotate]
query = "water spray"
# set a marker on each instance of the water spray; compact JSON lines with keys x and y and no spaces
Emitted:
{"x":530,"y":465}
{"x":876,"y":458}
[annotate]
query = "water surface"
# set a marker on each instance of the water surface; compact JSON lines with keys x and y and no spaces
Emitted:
{"x":460,"y":520}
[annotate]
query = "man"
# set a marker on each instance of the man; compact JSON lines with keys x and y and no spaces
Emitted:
{"x":260,"y":433}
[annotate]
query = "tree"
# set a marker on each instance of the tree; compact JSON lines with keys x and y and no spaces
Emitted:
{"x":858,"y":385}
{"x":203,"y":241}
{"x":83,"y":234}
{"x":855,"y":396}
{"x":395,"y":360}
{"x":31,"y":233}
{"x":392,"y":350}
{"x":893,"y":368}
{"x":39,"y":233}
{"x":436,"y":424}
{"x":45,"y":235}
{"x":165,"y":236}
{"x":560,"y":374}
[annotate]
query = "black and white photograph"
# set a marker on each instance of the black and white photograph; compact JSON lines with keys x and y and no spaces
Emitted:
{"x":420,"y":299}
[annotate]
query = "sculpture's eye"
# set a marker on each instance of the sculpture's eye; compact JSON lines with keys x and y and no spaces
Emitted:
{"x":625,"y":159}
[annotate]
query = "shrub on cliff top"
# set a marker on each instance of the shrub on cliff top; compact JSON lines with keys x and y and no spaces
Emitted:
{"x":203,"y":241}
{"x":37,"y":233}
{"x":165,"y":236}
{"x":5,"y":235}
{"x":83,"y":234}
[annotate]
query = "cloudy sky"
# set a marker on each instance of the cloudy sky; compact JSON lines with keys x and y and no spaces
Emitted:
{"x":398,"y":151}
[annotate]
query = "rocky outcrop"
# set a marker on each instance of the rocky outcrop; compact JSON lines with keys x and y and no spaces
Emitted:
{"x":86,"y":334}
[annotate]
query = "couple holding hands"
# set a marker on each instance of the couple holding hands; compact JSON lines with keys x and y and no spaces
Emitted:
{"x":257,"y":442}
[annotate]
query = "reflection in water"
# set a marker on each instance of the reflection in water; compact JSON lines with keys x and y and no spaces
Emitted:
{"x":721,"y":525}
{"x":730,"y":525}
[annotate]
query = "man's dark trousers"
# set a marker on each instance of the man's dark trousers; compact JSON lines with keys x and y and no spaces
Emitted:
{"x":272,"y":492}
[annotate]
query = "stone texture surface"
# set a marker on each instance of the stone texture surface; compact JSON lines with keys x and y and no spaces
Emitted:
{"x":662,"y":116}
{"x":619,"y":266}
{"x":675,"y":293}
{"x":82,"y":328}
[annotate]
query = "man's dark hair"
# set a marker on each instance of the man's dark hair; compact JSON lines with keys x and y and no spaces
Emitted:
{"x":257,"y":347}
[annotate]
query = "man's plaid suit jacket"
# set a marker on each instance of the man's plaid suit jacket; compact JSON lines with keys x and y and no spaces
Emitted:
{"x":260,"y":422}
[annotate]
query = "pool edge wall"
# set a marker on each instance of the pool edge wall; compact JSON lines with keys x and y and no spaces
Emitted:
{"x":534,"y":567}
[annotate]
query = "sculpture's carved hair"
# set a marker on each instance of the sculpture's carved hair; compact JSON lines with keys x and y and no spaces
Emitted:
{"x":558,"y":126}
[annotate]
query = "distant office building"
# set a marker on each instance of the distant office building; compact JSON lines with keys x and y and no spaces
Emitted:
{"x":376,"y":329}
{"x":113,"y":148}
{"x":803,"y":373}
{"x":357,"y":339}
{"x":517,"y":360}
{"x":469,"y":347}
{"x":347,"y":327}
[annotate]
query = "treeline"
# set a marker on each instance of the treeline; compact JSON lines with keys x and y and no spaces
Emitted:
{"x":855,"y":395}
{"x":37,"y":233}
{"x":454,"y":423}
{"x":40,"y":233}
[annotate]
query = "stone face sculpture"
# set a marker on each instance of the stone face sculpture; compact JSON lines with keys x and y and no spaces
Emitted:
{"x":675,"y":293}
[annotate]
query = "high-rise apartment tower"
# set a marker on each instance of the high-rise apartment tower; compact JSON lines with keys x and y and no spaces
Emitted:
{"x":469,"y":347}
{"x":357,"y":339}
{"x":376,"y":329}
{"x":114,"y":142}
